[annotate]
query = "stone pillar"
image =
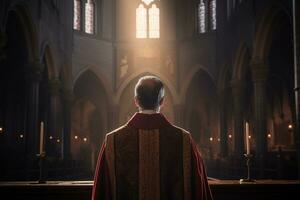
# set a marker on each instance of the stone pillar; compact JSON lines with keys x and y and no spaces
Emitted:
{"x":54,"y":122}
{"x":32,"y":125}
{"x":259,"y":76}
{"x":67,"y":98}
{"x":179,"y":115}
{"x":223,"y":125}
{"x":238,"y":101}
{"x":296,"y":26}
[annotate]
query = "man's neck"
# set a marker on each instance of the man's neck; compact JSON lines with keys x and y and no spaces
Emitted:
{"x":149,"y":111}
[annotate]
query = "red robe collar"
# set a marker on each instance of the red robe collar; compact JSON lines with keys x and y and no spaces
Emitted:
{"x":148,"y":121}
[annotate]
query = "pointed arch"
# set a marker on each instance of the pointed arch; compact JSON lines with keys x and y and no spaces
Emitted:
{"x":29,"y":28}
{"x":223,"y":77}
{"x":241,"y":62}
{"x":189,"y":77}
{"x":102,"y":78}
{"x":47,"y":54}
{"x":266,"y":27}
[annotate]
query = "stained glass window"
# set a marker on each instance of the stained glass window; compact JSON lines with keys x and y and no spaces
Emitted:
{"x":77,"y":15}
{"x":213,"y":12}
{"x":89,"y":17}
{"x":201,"y":17}
{"x":153,"y":22}
{"x":147,"y":19}
{"x":141,"y":22}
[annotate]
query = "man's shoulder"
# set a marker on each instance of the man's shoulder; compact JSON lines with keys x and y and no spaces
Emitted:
{"x":182,"y":130}
{"x":117,"y":130}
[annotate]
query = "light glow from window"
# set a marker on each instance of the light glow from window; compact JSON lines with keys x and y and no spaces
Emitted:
{"x":154,"y":22}
{"x":89,"y":17}
{"x":201,"y":17}
{"x":147,"y":20}
{"x":77,"y":13}
{"x":141,"y":22}
{"x":213,"y":11}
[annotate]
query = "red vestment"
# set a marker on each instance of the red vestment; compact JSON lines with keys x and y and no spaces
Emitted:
{"x":149,"y":158}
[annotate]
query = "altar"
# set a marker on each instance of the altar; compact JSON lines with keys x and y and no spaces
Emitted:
{"x":221,"y":189}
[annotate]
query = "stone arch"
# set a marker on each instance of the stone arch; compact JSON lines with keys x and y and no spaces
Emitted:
{"x":94,"y":77}
{"x":49,"y":61}
{"x":241,"y":62}
{"x":189,"y":77}
{"x":133,"y":76}
{"x":89,"y":118}
{"x":102,"y":78}
{"x":266,"y":26}
{"x":201,"y":111}
{"x":29,"y":29}
{"x":223,"y":77}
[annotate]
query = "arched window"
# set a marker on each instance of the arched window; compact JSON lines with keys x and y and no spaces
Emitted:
{"x":213,"y":14}
{"x":77,"y":15}
{"x":89,"y":17}
{"x":206,"y":16}
{"x":141,"y":22}
{"x":201,"y":17}
{"x":147,"y":19}
{"x":154,"y":22}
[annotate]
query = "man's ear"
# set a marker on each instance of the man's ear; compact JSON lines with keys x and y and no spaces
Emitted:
{"x":161,"y":101}
{"x":136,"y":102}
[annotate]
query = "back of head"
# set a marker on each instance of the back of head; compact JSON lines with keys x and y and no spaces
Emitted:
{"x":149,"y":91}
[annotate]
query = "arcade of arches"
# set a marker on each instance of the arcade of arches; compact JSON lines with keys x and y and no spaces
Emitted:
{"x":75,"y":70}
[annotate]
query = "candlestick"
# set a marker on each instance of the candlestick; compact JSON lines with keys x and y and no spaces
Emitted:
{"x":247,"y":139}
{"x":42,"y":138}
{"x":248,"y":179}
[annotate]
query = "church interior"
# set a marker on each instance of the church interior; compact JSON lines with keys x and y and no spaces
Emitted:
{"x":231,"y":69}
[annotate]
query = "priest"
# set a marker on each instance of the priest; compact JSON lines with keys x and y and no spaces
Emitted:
{"x":149,"y":158}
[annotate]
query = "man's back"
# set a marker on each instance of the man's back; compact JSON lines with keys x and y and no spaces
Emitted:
{"x":149,"y":158}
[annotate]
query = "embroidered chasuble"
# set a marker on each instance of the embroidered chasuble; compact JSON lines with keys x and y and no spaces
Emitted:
{"x":150,"y":159}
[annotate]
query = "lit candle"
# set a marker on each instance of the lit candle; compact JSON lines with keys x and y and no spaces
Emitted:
{"x":247,"y":139}
{"x":41,"y":137}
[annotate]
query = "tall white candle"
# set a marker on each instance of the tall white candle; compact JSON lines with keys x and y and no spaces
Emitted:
{"x":42,"y":137}
{"x":247,"y":139}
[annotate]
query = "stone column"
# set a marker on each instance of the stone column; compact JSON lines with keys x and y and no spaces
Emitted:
{"x":296,"y":26}
{"x":54,"y":122}
{"x":238,"y":101}
{"x":32,"y":128}
{"x":67,"y":98}
{"x":223,"y":125}
{"x":259,"y":76}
